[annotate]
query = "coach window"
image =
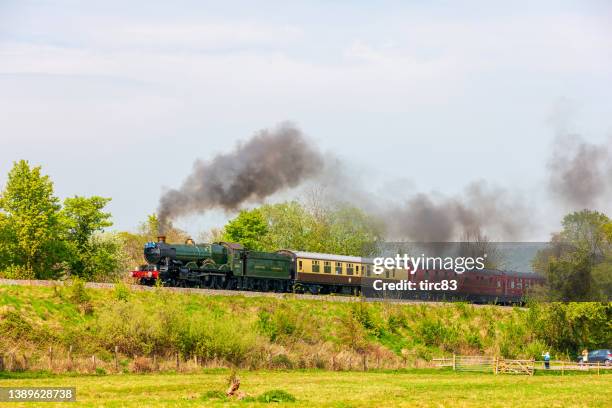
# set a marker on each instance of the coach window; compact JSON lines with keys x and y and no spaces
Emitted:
{"x":300,"y":265}
{"x":349,"y":269}
{"x":367,"y":268}
{"x":512,"y":284}
{"x":327,"y":267}
{"x":499,"y":284}
{"x":357,"y":270}
{"x":315,"y":266}
{"x":338,"y":268}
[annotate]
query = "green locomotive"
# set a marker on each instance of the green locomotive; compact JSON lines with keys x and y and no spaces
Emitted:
{"x":219,"y":266}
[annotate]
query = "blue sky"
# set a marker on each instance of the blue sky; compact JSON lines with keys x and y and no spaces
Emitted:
{"x":119,"y":98}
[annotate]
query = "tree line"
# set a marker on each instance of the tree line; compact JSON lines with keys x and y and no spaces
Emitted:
{"x":42,"y":237}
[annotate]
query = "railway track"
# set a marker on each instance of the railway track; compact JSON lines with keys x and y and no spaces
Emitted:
{"x":213,"y":292}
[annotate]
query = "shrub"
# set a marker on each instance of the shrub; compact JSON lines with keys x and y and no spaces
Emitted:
{"x":210,"y":336}
{"x":283,"y":325}
{"x":282,"y":361}
{"x":121,"y":292}
{"x":17,"y":272}
{"x":364,"y":314}
{"x":133,"y":327}
{"x":473,"y":340}
{"x":396,"y":321}
{"x":276,"y":396}
{"x":78,"y":293}
{"x":13,"y":325}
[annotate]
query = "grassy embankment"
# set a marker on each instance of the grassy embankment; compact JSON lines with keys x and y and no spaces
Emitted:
{"x":425,"y":388}
{"x":150,"y":328}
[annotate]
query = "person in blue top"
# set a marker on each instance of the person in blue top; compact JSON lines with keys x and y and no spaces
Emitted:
{"x":546,"y":360}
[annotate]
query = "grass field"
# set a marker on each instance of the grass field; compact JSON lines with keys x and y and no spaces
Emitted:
{"x":425,"y":388}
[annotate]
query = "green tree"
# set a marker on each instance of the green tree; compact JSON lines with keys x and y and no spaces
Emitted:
{"x":289,"y":226}
{"x":352,"y":231}
{"x":105,"y":260}
{"x":7,"y":238}
{"x":30,"y":223}
{"x":248,"y":228}
{"x":84,"y":216}
{"x":585,"y":231}
{"x":607,"y":229}
{"x":578,"y":263}
{"x":344,"y":230}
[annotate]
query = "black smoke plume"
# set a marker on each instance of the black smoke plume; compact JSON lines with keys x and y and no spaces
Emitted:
{"x":271,"y":161}
{"x":479,"y":211}
{"x":580,"y":173}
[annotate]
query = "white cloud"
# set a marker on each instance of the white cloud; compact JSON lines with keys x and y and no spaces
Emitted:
{"x":204,"y":36}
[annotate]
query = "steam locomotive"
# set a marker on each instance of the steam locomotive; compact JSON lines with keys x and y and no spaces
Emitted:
{"x":230,"y":266}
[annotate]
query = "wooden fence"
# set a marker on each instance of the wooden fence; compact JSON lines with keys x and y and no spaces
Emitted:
{"x":498,"y":365}
{"x":67,"y":360}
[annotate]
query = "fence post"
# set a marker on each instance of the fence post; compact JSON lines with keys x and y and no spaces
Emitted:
{"x":598,"y":368}
{"x":93,"y":360}
{"x":365,"y":362}
{"x":1,"y":362}
{"x":177,"y":361}
{"x":334,"y":362}
{"x":70,"y":357}
{"x":563,"y":368}
{"x":50,"y":358}
{"x":116,"y":358}
{"x":454,"y":362}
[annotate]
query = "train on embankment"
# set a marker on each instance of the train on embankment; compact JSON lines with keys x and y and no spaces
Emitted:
{"x":230,"y":266}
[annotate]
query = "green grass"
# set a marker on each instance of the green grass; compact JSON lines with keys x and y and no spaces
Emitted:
{"x":332,"y":389}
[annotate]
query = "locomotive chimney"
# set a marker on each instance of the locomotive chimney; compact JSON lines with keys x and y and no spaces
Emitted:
{"x":161,"y":238}
{"x":189,"y":241}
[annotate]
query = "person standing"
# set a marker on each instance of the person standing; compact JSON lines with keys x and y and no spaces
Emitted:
{"x":546,"y":360}
{"x":585,"y":357}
